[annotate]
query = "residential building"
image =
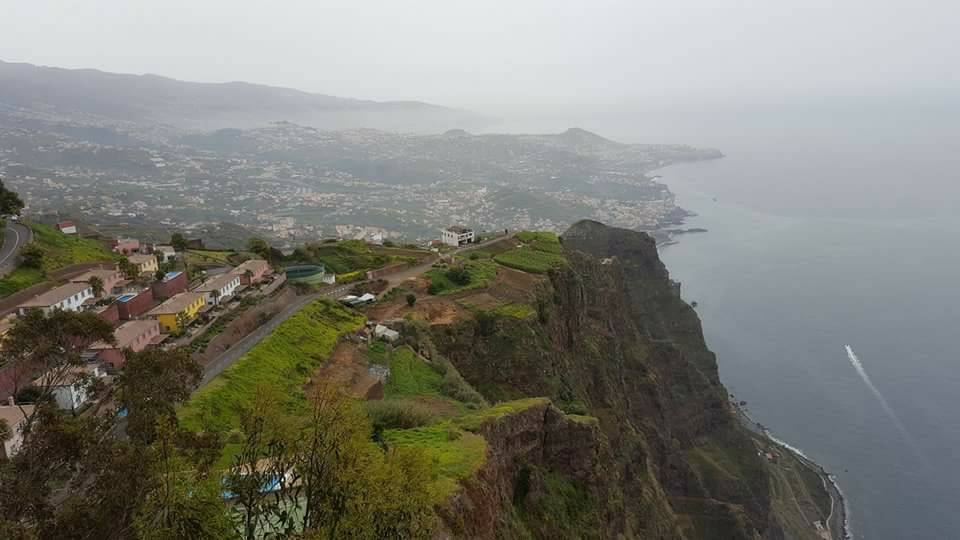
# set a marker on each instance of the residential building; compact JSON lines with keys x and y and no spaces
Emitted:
{"x":382,"y":332}
{"x":133,"y":336}
{"x":110,"y":278}
{"x":457,"y":236}
{"x":219,"y":288}
{"x":146,"y":264}
{"x":71,"y":391}
{"x":126,"y":246}
{"x":172,"y":284}
{"x":15,"y":418}
{"x":69,"y":297}
{"x":167,"y":252}
{"x":258,"y":270}
{"x":67,"y":227}
{"x":132,"y":305}
{"x":181,"y":309}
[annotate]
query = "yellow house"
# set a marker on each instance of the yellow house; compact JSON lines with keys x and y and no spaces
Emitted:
{"x":182,"y":308}
{"x":146,"y":264}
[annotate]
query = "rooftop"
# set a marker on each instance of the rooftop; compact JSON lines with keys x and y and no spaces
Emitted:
{"x":140,"y":259}
{"x":176,"y":304}
{"x":13,"y":415}
{"x":102,"y":274}
{"x":217,"y":283}
{"x":459,"y":229}
{"x":55,"y":296}
{"x":127,"y":333}
{"x":253,"y":265}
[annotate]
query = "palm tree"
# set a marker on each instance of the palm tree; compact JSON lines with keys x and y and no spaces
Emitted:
{"x":97,"y":285}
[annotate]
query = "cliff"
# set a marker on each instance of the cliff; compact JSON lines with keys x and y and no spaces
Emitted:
{"x":637,"y":439}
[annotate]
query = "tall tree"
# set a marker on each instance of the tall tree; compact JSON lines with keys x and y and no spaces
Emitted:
{"x":31,"y":256}
{"x":96,"y":284}
{"x":128,"y":269}
{"x":181,"y":504}
{"x":151,"y":384}
{"x":178,"y":242}
{"x":51,"y":345}
{"x":10,"y":202}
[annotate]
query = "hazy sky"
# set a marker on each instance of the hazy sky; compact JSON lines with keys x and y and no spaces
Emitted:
{"x":495,"y":52}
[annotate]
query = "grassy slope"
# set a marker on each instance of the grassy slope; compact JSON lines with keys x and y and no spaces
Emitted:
{"x":59,"y":251}
{"x":481,"y":273}
{"x":284,"y":360}
{"x":539,"y":252}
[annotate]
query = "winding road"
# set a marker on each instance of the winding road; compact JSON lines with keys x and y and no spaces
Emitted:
{"x":15,"y":236}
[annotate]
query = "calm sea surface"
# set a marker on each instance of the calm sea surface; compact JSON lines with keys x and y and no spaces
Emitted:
{"x":824,"y":237}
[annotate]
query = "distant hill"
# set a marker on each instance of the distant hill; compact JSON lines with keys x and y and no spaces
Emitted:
{"x":86,"y":94}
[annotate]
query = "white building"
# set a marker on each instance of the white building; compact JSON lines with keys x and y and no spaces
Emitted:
{"x":167,"y":252}
{"x":69,"y":297}
{"x":220,"y":288}
{"x":457,"y":236}
{"x":385,"y":333}
{"x":71,"y":393}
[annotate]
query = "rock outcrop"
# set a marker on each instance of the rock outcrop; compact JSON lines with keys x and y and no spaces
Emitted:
{"x":658,"y":454}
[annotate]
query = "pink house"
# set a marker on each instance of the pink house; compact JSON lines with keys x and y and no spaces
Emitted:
{"x":126,"y":246}
{"x":110,"y":278}
{"x":258,"y":269}
{"x":132,"y":335}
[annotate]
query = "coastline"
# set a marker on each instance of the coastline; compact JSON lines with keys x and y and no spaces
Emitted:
{"x":838,"y":523}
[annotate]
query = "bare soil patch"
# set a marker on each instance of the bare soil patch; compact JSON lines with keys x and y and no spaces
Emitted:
{"x":347,"y":369}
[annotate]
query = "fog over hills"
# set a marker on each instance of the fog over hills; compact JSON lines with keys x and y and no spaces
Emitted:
{"x":204,"y":106}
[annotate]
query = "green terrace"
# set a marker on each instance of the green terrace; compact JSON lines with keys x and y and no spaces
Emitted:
{"x":59,"y":251}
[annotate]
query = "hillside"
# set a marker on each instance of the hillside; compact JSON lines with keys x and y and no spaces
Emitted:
{"x":59,"y":251}
{"x":635,"y":437}
{"x":149,"y":99}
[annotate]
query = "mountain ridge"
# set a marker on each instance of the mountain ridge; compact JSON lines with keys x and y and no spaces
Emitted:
{"x":152,"y":98}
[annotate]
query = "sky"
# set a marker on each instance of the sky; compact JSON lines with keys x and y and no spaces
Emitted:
{"x":469,"y":53}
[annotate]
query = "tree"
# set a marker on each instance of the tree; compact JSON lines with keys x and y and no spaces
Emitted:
{"x":31,"y":256}
{"x":159,"y":274}
{"x":128,"y":269}
{"x":51,"y":344}
{"x":10,"y":202}
{"x":151,"y":384}
{"x":181,"y":503}
{"x":178,"y":242}
{"x":96,"y":284}
{"x":411,"y":299}
{"x":259,"y":480}
{"x":260,"y":247}
{"x":215,"y":295}
{"x":6,"y":432}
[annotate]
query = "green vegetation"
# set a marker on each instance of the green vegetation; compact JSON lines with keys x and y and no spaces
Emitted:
{"x":284,"y":361}
{"x":60,"y":250}
{"x":342,"y":257}
{"x":475,"y":274}
{"x":53,"y":250}
{"x":539,"y":253}
{"x":21,"y":278}
{"x":454,"y":454}
{"x":562,"y":503}
{"x":517,"y":311}
{"x":411,"y":376}
{"x":207,"y":257}
{"x":472,"y":422}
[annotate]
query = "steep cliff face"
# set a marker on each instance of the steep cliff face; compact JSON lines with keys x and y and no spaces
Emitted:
{"x":612,"y":339}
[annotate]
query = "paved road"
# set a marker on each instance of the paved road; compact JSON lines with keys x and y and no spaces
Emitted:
{"x":15,"y":236}
{"x":231,"y":355}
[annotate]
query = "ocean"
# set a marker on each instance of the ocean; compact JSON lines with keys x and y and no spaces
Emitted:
{"x":827,"y":284}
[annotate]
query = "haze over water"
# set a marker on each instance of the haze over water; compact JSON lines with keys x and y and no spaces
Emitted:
{"x":829,"y":227}
{"x":822,"y":236}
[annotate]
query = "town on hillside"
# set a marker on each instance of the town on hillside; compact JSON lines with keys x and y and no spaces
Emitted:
{"x":181,"y":295}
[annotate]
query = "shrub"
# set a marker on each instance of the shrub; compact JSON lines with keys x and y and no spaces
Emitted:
{"x":411,"y":299}
{"x":397,"y":414}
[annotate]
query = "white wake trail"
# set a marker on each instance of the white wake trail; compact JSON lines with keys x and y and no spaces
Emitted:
{"x":855,"y":362}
